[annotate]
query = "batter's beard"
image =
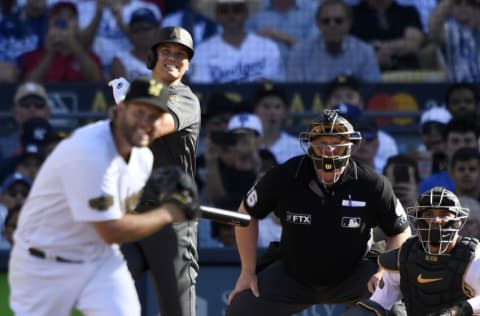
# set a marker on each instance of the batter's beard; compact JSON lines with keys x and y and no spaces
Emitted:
{"x":130,"y":135}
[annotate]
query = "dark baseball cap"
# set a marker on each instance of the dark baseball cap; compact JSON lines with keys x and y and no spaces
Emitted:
{"x":32,"y":150}
{"x":348,"y":111}
{"x":35,"y":131}
{"x":54,"y":9}
{"x":176,"y":35}
{"x":219,"y":104}
{"x":149,"y":91}
{"x":143,"y":18}
{"x":268,"y":90}
{"x":343,"y":81}
{"x":366,"y":126}
{"x":14,"y":178}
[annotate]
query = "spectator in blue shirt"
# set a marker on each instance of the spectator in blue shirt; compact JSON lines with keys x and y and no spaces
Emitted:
{"x":333,"y":52}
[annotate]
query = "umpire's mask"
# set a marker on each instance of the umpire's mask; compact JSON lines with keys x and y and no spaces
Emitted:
{"x":329,"y":153}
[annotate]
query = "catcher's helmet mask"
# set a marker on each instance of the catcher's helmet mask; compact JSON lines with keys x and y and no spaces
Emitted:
{"x":429,"y":233}
{"x":329,"y":156}
{"x":176,"y":35}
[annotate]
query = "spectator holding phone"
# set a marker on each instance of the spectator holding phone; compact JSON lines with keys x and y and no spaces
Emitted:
{"x":403,"y":173}
{"x":240,"y":160}
{"x":63,"y":57}
{"x":219,"y":108}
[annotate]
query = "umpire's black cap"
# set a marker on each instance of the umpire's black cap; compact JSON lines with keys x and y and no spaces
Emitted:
{"x":177,"y":35}
{"x":149,"y":91}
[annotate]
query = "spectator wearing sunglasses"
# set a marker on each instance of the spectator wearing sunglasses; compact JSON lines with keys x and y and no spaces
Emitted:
{"x":333,"y":52}
{"x":30,"y":100}
{"x":14,"y":191}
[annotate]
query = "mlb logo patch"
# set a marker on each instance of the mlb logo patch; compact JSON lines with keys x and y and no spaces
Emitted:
{"x":351,"y":222}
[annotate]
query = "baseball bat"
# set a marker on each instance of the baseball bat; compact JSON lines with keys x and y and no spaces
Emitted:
{"x":224,"y":216}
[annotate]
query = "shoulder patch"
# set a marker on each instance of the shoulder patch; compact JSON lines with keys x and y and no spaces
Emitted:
{"x":252,"y":197}
{"x":381,"y":283}
{"x":389,"y":260}
{"x":101,"y":203}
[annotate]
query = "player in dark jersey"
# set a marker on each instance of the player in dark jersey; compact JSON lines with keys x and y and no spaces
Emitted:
{"x":171,"y":254}
{"x":327,"y":205}
{"x":436,"y":272}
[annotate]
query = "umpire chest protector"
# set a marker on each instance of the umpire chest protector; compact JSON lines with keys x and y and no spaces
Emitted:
{"x":428,"y":282}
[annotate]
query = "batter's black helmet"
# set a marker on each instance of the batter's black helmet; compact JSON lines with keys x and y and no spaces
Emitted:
{"x":170,"y":34}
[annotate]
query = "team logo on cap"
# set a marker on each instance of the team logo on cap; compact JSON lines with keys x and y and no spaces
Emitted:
{"x":101,"y":203}
{"x":155,"y":88}
{"x":175,"y":33}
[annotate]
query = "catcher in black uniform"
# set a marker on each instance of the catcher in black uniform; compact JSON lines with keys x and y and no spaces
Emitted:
{"x":437,"y":272}
{"x":328,"y":205}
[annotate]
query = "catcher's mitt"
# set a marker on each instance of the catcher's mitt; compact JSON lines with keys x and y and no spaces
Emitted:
{"x":172,"y":184}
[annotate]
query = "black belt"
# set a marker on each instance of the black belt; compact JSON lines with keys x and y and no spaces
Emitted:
{"x":41,"y":254}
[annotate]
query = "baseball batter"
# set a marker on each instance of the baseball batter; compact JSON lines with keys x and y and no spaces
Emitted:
{"x":174,"y":270}
{"x":66,"y":250}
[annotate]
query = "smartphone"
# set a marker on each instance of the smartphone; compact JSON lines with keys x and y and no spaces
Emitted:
{"x":401,"y":173}
{"x":61,"y":23}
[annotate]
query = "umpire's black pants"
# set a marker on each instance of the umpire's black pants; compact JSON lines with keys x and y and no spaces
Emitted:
{"x":282,"y":295}
{"x":171,"y":256}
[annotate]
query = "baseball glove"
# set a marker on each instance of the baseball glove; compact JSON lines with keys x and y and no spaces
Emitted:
{"x":172,"y":184}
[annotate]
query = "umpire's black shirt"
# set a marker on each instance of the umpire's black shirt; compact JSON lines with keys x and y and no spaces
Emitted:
{"x":325,"y":231}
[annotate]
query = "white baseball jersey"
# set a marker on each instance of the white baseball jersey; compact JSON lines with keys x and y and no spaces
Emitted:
{"x":219,"y":62}
{"x":390,"y":292}
{"x":286,"y":147}
{"x":84,"y":180}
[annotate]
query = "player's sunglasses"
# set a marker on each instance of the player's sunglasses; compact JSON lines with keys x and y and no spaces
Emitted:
{"x":235,"y":8}
{"x":32,"y":102}
{"x":337,"y":20}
